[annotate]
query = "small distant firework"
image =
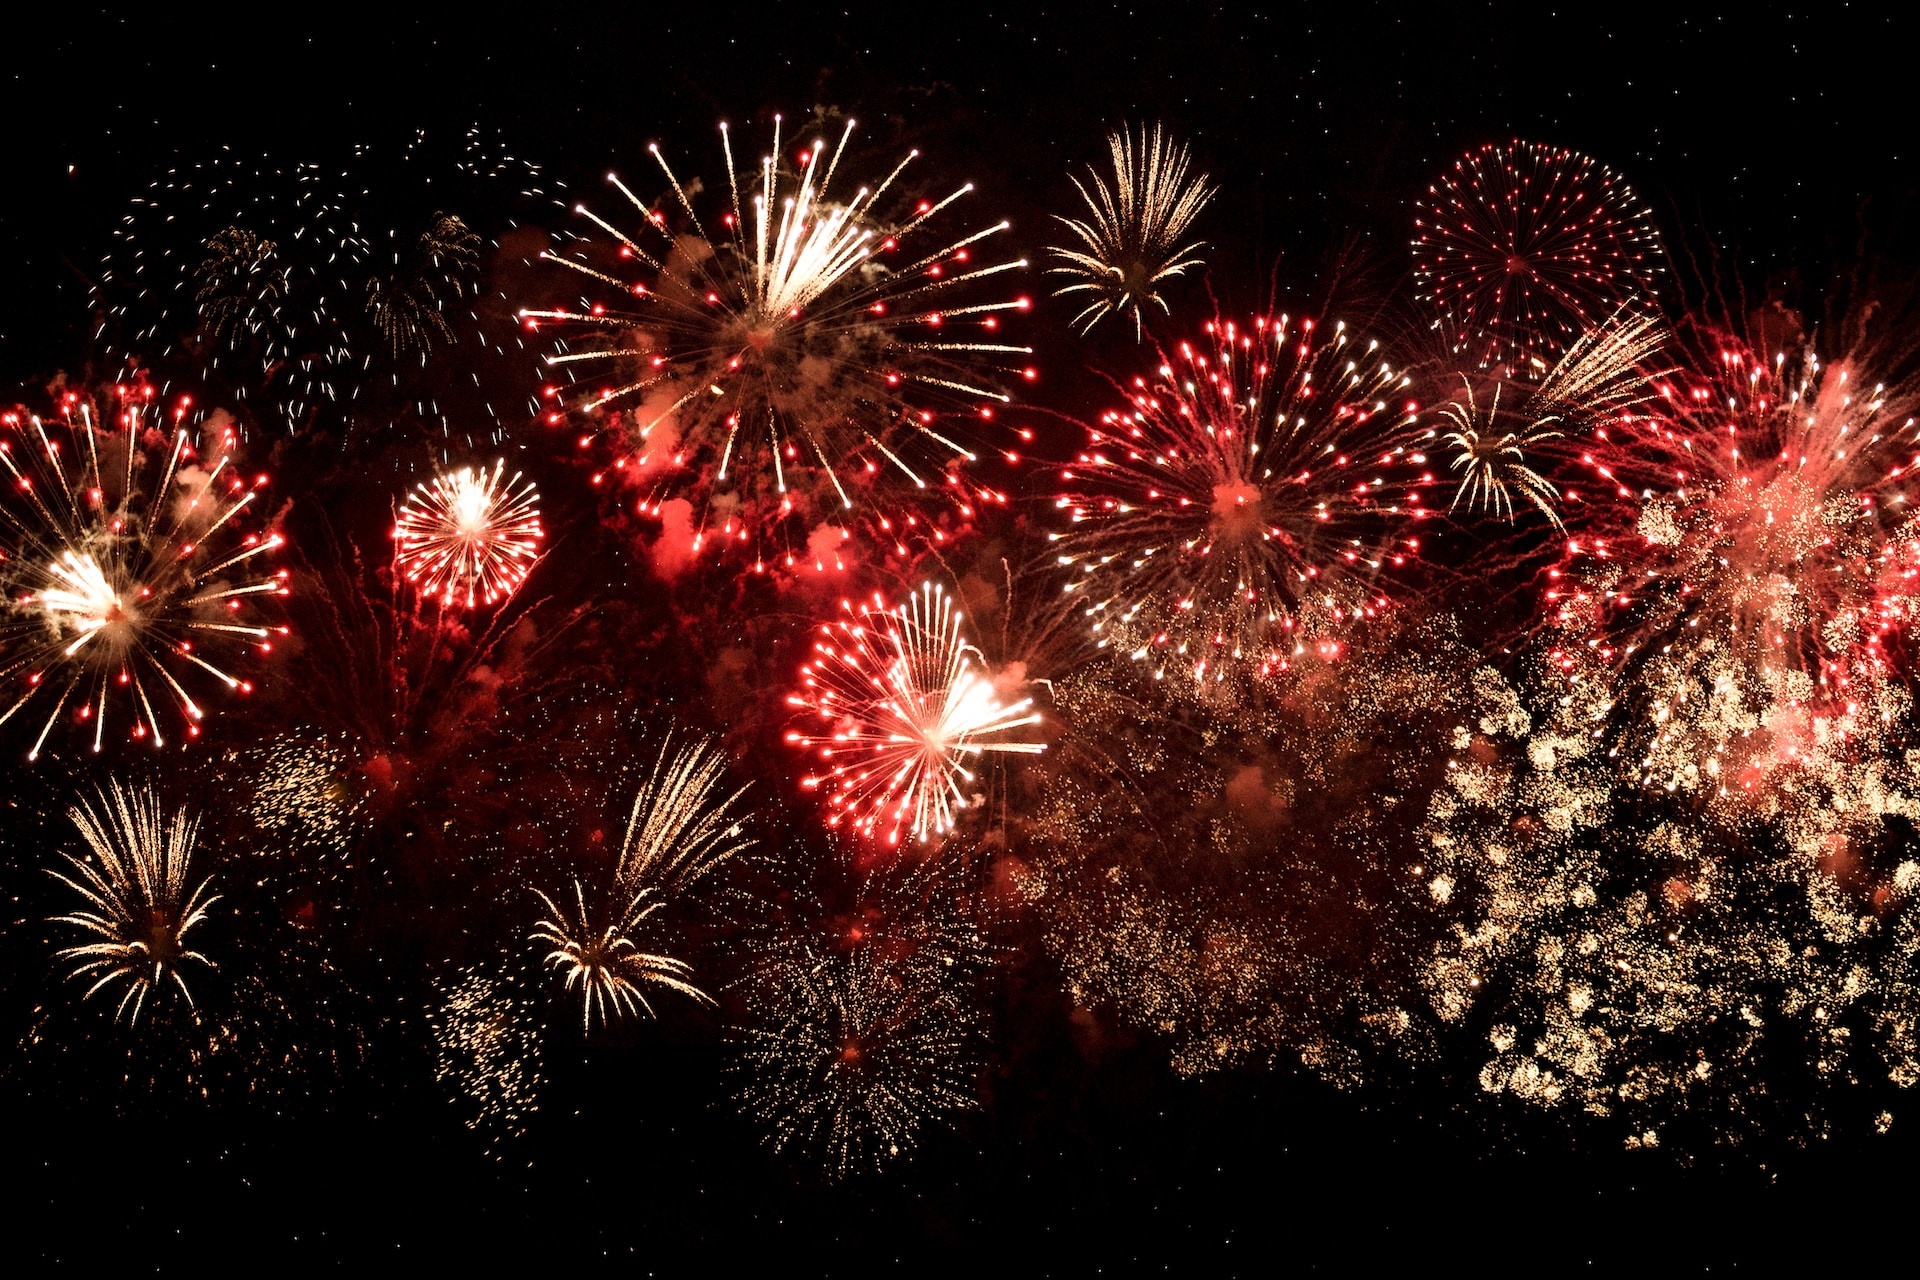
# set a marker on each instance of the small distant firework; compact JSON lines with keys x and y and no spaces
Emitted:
{"x":1746,"y":555}
{"x":139,"y":908}
{"x":468,"y":537}
{"x":904,"y":705}
{"x":1496,"y":450}
{"x":300,"y":285}
{"x":600,"y":960}
{"x":1520,"y":248}
{"x":682,"y":827}
{"x":1131,"y":241}
{"x":867,"y":1033}
{"x":408,"y":304}
{"x":796,"y":360}
{"x":486,"y":1036}
{"x":1246,"y":502}
{"x":121,"y":562}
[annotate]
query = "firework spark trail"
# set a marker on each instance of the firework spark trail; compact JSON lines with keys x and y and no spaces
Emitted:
{"x":1131,"y":240}
{"x":138,"y":905}
{"x":117,"y":576}
{"x":905,"y":703}
{"x":1246,"y":502}
{"x":469,"y":537}
{"x":1520,"y":248}
{"x":683,"y":825}
{"x":794,"y":362}
{"x":1744,"y":549}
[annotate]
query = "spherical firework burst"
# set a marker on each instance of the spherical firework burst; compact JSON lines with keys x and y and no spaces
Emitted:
{"x":1131,"y":241}
{"x":1245,"y":503}
{"x":683,"y":825}
{"x":904,"y":706}
{"x":139,"y":908}
{"x":126,"y":572}
{"x":468,"y":537}
{"x":1520,"y":247}
{"x":1746,"y":555}
{"x":866,"y":1029}
{"x":794,"y":360}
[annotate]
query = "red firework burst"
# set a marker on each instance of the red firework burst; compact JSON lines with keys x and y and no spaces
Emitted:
{"x":1745,"y":551}
{"x":1519,"y":248}
{"x":1242,"y":508}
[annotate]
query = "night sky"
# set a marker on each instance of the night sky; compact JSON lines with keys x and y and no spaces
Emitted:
{"x":1771,"y":144}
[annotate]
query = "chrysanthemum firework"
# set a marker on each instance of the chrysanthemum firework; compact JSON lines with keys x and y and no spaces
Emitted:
{"x":1134,"y":237}
{"x":1744,"y":554}
{"x":799,"y":357}
{"x":468,"y":537}
{"x":1249,"y":499}
{"x":1519,"y":248}
{"x":139,"y":907}
{"x":683,"y":825}
{"x":129,"y":578}
{"x":904,"y":705}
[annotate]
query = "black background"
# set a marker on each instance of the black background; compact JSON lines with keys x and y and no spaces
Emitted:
{"x":1778,"y":136}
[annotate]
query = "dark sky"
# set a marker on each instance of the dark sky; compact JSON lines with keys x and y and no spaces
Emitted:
{"x":1779,"y":134}
{"x":1772,"y":132}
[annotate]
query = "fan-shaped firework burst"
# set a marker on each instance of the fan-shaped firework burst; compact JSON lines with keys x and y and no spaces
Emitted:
{"x":125,"y":569}
{"x":1520,"y":248}
{"x":683,"y":825}
{"x":600,"y":960}
{"x":1132,"y":238}
{"x":1246,"y":501}
{"x":803,"y":356}
{"x":139,"y":908}
{"x":1746,"y":553}
{"x":904,"y":706}
{"x":468,"y":537}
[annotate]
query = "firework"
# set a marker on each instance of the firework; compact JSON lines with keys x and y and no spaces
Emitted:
{"x":1247,"y":501}
{"x":600,"y":959}
{"x":904,"y":706}
{"x":1520,"y":248}
{"x":1131,"y":241}
{"x":683,"y":825}
{"x":486,"y":1036}
{"x":866,"y":1029}
{"x":1226,"y":880}
{"x":126,"y":572}
{"x":1745,"y":557}
{"x":468,"y":537}
{"x":1643,"y":965}
{"x":1495,"y":450}
{"x":138,"y":909}
{"x":796,"y":360}
{"x":307,"y":288}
